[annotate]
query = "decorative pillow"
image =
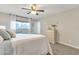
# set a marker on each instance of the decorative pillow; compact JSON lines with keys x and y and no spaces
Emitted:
{"x":11,"y":33}
{"x":1,"y":39}
{"x":4,"y":34}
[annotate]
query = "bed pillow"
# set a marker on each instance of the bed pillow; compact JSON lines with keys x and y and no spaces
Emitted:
{"x":1,"y":39}
{"x":11,"y":33}
{"x":4,"y":34}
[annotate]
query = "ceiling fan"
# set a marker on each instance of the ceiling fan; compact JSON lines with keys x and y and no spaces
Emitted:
{"x":33,"y":9}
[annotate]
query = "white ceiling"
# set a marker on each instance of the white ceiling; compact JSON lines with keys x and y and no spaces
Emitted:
{"x":50,"y":9}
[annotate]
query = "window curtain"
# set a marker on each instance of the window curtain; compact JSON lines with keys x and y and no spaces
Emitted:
{"x":12,"y":22}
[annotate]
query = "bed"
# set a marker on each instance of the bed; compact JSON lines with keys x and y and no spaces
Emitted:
{"x":30,"y":44}
{"x":26,"y":44}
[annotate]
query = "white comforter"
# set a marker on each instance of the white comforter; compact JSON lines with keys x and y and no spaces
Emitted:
{"x":30,"y":44}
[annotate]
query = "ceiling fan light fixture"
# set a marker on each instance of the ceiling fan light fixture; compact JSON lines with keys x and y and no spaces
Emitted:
{"x":33,"y":7}
{"x":33,"y":12}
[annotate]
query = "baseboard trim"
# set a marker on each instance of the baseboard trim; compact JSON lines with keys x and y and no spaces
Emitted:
{"x":68,"y":45}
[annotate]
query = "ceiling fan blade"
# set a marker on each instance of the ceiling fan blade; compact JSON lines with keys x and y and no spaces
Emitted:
{"x":28,"y":12}
{"x":40,"y":10}
{"x":37,"y":14}
{"x":26,"y":8}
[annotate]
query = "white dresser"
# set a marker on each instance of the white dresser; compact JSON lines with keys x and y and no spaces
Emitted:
{"x":51,"y":35}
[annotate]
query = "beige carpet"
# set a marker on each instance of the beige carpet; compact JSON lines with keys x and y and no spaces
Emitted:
{"x":59,"y":49}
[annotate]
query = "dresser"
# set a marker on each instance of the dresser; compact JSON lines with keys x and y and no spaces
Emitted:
{"x":51,"y":35}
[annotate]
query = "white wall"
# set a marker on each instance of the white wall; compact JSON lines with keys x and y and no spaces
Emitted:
{"x":67,"y":26}
{"x":7,"y":20}
{"x":4,"y":20}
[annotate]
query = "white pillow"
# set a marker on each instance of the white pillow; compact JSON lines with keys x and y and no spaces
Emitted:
{"x":1,"y":39}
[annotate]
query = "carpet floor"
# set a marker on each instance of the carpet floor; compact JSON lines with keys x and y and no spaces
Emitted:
{"x":59,"y":49}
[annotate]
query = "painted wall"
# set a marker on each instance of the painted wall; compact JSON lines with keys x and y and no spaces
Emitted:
{"x":4,"y":20}
{"x":67,"y":26}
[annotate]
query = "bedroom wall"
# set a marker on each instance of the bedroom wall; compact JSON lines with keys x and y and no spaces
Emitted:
{"x":4,"y":20}
{"x":7,"y":20}
{"x":67,"y":26}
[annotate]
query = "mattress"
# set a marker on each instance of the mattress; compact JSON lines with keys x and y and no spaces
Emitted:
{"x":30,"y":44}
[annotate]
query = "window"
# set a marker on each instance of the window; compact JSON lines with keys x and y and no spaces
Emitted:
{"x":26,"y":25}
{"x":18,"y":25}
{"x":22,"y":25}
